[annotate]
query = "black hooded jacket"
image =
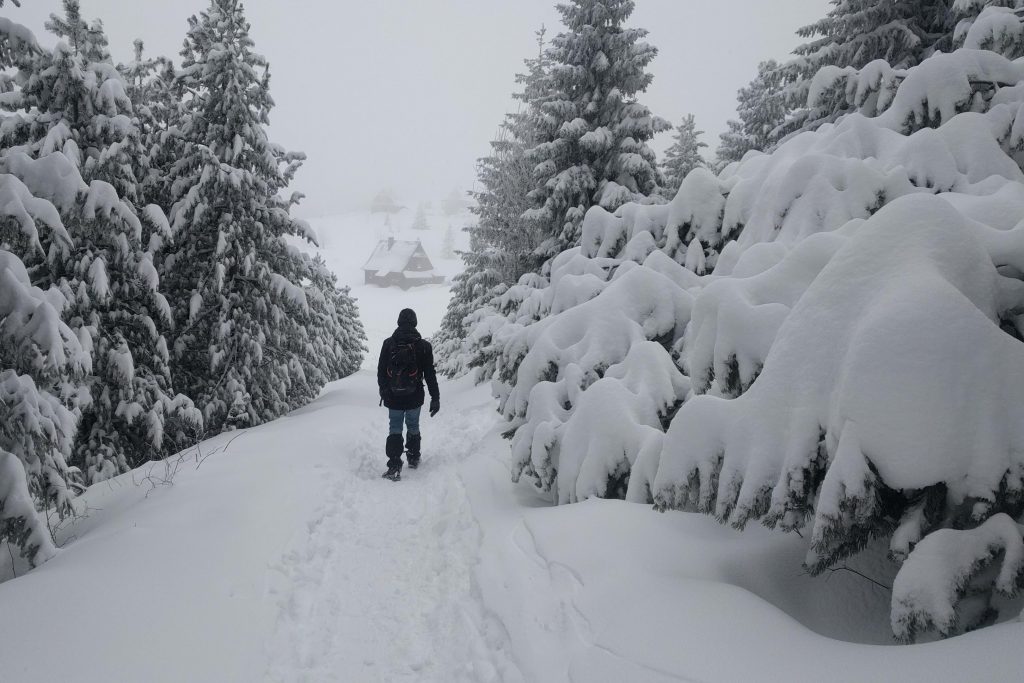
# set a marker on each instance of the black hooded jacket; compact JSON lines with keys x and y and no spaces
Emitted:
{"x":407,"y":334}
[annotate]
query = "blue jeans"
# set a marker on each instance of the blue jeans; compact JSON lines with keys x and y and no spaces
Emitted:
{"x":411,"y":418}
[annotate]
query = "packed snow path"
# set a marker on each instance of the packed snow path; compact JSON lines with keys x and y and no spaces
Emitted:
{"x":382,"y":588}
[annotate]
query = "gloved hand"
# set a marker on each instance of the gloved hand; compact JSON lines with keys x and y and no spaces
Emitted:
{"x":435,"y":406}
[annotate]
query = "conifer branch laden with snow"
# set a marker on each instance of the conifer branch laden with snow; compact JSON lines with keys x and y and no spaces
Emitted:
{"x":939,"y":573}
{"x":854,"y":34}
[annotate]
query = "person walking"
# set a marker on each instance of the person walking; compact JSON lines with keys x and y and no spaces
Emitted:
{"x":406,"y":362}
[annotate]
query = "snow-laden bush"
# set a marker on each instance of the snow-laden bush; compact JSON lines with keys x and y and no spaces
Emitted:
{"x":941,"y":570}
{"x":853,"y":352}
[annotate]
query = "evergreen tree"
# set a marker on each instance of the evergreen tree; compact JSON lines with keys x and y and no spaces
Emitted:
{"x":338,"y":341}
{"x":75,"y":103}
{"x":448,"y":245}
{"x":503,"y":242}
{"x":684,"y":154}
{"x":761,"y":110}
{"x":241,"y":311}
{"x":853,"y":34}
{"x":83,"y":39}
{"x":42,"y":360}
{"x":592,"y":132}
{"x":420,"y":220}
{"x":150,"y":85}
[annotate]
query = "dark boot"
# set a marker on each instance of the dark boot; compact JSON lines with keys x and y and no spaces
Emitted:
{"x":393,"y":449}
{"x":412,"y":450}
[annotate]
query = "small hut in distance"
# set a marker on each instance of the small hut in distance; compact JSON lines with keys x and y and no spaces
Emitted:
{"x":400,"y":263}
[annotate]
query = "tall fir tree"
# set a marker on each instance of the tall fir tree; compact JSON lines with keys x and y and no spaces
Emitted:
{"x":503,"y":242}
{"x":419,"y":221}
{"x":684,"y":154}
{"x":151,"y":87}
{"x":337,"y":342}
{"x":448,"y":245}
{"x":241,"y":311}
{"x":761,"y":110}
{"x":592,"y":132}
{"x":43,"y":361}
{"x":75,"y":103}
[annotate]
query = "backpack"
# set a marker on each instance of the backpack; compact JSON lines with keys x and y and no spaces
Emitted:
{"x":403,"y":371}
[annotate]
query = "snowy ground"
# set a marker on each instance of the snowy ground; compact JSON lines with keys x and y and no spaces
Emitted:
{"x":285,"y":557}
{"x":278,"y":554}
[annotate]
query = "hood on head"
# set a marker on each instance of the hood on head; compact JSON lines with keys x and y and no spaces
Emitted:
{"x":407,"y":318}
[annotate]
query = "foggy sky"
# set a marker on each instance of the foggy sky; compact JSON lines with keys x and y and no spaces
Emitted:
{"x":407,"y":93}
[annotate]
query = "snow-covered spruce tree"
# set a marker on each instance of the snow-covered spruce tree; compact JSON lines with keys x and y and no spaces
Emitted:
{"x":73,"y":102}
{"x":683,"y":156}
{"x":855,"y":33}
{"x":503,"y":242}
{"x":338,"y":341}
{"x":42,"y":360}
{"x":448,"y":245}
{"x":419,"y":221}
{"x":761,"y":110}
{"x":41,"y":364}
{"x":241,"y":312}
{"x":592,"y":133}
{"x":151,"y":87}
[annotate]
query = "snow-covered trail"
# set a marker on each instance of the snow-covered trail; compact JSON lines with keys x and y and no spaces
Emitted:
{"x":276,"y":553}
{"x":382,"y":588}
{"x":284,"y":557}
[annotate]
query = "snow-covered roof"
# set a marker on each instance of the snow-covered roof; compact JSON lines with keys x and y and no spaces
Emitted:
{"x":392,"y":256}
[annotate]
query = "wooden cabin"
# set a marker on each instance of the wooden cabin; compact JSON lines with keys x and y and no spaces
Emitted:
{"x":399,"y":263}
